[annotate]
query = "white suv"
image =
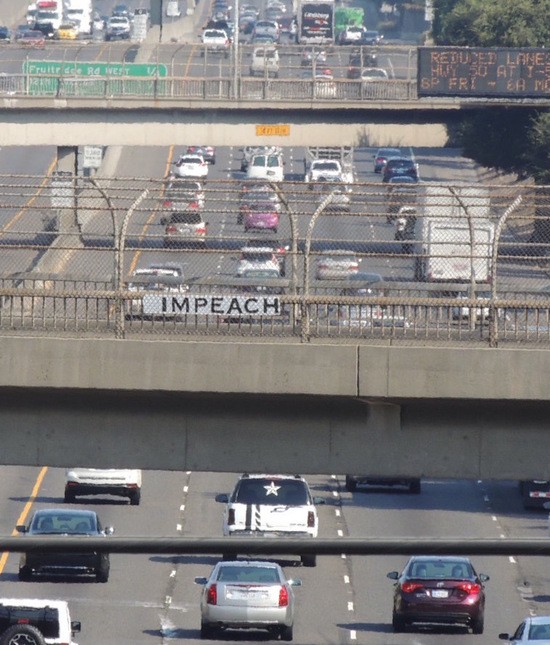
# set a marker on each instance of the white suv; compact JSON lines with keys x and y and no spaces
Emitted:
{"x":109,"y":481}
{"x":271,"y":506}
{"x":33,"y":621}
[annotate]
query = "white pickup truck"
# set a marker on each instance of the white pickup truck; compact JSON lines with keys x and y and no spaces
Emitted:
{"x":329,"y":164}
{"x":215,"y":41}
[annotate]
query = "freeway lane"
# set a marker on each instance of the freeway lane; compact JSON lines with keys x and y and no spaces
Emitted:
{"x":151,"y":599}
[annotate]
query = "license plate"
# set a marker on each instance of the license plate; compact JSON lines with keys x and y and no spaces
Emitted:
{"x":440,"y":593}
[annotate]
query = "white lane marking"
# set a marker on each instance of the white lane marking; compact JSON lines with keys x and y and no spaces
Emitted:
{"x":178,"y":527}
{"x":173,"y":573}
{"x":486,"y":498}
{"x":350,"y":606}
{"x":168,"y":600}
{"x":185,"y":489}
{"x":346,"y":580}
{"x":182,"y":508}
{"x":494,"y":518}
{"x":335,"y":493}
{"x":502,"y":535}
{"x":353,"y":635}
{"x":340,"y":533}
{"x":188,"y":472}
{"x":337,"y":512}
{"x":343,"y":556}
{"x":512,"y":559}
{"x":333,"y":476}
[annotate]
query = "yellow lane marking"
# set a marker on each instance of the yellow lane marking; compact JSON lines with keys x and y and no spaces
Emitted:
{"x":149,"y":221}
{"x":31,"y":201}
{"x":25,"y":512}
{"x":190,"y":60}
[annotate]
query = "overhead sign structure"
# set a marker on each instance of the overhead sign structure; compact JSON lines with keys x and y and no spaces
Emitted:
{"x":78,"y":78}
{"x":211,"y":305}
{"x":481,"y":71}
{"x":277,"y":130}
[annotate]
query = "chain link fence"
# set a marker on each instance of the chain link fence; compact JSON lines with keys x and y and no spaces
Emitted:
{"x":194,"y":72}
{"x":413,"y":264}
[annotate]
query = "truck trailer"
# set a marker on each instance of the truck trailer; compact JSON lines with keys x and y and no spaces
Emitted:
{"x":315,"y":22}
{"x":453,"y":234}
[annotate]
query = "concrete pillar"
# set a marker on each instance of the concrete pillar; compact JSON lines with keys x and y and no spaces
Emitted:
{"x":64,"y":189}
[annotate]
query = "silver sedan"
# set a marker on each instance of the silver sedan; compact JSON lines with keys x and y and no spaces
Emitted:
{"x":534,"y":629}
{"x":246,"y":594}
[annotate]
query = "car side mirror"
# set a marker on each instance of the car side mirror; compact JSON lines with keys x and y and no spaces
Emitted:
{"x":504,"y":637}
{"x":393,"y":575}
{"x":223,"y":498}
{"x":76,"y":626}
{"x":319,"y":500}
{"x":199,"y":580}
{"x":108,"y":530}
{"x":21,"y":528}
{"x":483,"y":577}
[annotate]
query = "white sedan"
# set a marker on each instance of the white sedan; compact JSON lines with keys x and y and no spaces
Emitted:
{"x":189,"y":165}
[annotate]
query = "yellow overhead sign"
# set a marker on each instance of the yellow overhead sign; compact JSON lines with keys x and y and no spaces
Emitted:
{"x":279,"y":130}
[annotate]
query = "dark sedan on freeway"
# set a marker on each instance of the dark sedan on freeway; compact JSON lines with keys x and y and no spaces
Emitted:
{"x":444,"y":590}
{"x":63,"y":522}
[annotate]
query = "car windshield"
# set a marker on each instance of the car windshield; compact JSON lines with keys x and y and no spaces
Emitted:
{"x":272,"y":492}
{"x":191,"y":160}
{"x":273,"y":162}
{"x":326,"y":165}
{"x":63,"y":522}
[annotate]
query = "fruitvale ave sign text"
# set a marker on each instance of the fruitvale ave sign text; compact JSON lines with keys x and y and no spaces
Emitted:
{"x":171,"y":305}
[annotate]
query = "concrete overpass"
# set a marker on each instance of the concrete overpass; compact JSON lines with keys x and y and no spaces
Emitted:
{"x":437,"y":411}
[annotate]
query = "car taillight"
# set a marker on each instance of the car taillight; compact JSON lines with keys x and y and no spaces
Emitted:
{"x":409,"y":587}
{"x":212,"y":595}
{"x":310,"y":519}
{"x":171,"y":229}
{"x":23,"y":621}
{"x":231,"y":516}
{"x":201,"y":229}
{"x":194,"y":205}
{"x":283,"y":597}
{"x":469,"y":587}
{"x":167,"y":203}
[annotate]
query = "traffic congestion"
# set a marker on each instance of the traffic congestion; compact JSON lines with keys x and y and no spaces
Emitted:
{"x":221,"y":217}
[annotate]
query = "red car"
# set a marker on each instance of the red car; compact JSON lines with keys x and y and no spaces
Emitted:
{"x":32,"y":38}
{"x":263,"y":216}
{"x":438,"y":590}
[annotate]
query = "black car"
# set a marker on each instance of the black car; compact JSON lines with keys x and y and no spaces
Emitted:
{"x":5,"y":35}
{"x":46,"y":28}
{"x":399,"y":167}
{"x":72,"y":523}
{"x":444,"y":590}
{"x":358,"y":60}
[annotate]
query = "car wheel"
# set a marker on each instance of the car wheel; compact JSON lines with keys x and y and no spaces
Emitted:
{"x":69,"y":497}
{"x":102,"y":573}
{"x":287,"y":632}
{"x":398,"y":624}
{"x":207,"y":631}
{"x":477,"y":625}
{"x":22,"y":635}
{"x":415,"y":487}
{"x":351,"y":484}
{"x":309,"y":560}
{"x":135,"y":497}
{"x":25,"y":574}
{"x":213,"y":161}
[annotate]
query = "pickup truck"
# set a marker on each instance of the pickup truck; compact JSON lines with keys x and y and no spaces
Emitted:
{"x":324,"y":169}
{"x":215,"y":41}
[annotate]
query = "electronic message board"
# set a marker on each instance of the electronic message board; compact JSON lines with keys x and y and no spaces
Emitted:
{"x":478,"y":71}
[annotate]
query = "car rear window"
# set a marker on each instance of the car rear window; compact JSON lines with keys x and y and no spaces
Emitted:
{"x":186,"y":218}
{"x":399,"y":163}
{"x":440,"y":569}
{"x":272,"y":492}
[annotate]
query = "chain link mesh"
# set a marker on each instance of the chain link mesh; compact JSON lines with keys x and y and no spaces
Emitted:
{"x":363,"y":262}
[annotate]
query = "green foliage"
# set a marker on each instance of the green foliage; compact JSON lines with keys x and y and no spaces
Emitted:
{"x":492,"y":23}
{"x":513,"y":139}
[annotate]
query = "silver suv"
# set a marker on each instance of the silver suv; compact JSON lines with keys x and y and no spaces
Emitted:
{"x":271,"y":506}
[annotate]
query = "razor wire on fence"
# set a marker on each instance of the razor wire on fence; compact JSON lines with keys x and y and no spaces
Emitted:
{"x":173,"y":258}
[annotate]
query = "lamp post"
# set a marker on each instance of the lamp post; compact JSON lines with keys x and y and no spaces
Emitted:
{"x":236,"y":52}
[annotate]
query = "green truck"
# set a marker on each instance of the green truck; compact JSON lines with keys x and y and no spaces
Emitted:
{"x":346,"y":16}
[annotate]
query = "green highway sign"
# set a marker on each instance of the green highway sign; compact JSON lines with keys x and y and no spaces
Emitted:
{"x":77,"y":78}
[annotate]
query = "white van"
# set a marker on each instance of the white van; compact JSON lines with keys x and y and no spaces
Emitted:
{"x":265,"y":62}
{"x":266,"y":166}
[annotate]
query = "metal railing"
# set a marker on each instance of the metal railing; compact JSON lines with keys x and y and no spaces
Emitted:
{"x":80,"y":260}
